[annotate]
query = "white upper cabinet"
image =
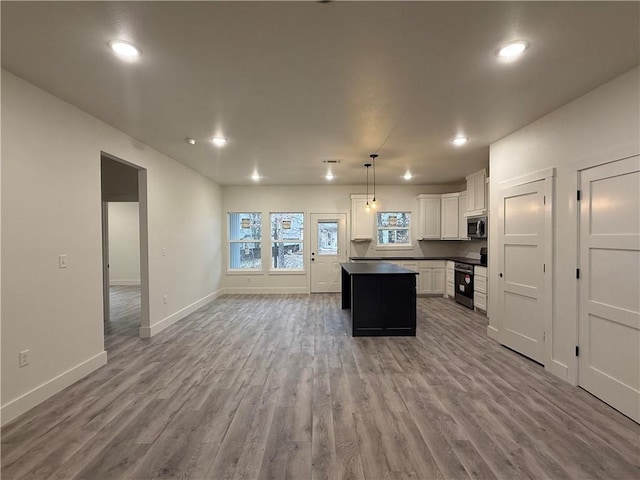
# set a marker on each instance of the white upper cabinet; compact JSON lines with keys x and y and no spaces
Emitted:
{"x":361,"y":218}
{"x":476,"y":193}
{"x":462,"y":216}
{"x":450,"y":220}
{"x":429,"y":224}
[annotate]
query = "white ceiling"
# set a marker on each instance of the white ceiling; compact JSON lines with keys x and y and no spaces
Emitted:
{"x":293,"y":83}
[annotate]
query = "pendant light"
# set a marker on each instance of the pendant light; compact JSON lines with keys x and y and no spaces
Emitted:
{"x":374,"y":203}
{"x":367,"y":206}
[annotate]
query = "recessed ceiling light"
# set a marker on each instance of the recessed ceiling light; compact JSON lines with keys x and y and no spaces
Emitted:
{"x":459,"y":140}
{"x":190,"y":141}
{"x":329,"y":176}
{"x":126,"y":49}
{"x":408,"y":176}
{"x":255,"y":177}
{"x":512,"y":50}
{"x":219,"y":141}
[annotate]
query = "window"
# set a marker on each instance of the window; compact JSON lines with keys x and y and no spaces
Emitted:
{"x":394,"y":229}
{"x":287,"y":252}
{"x":245,"y":233}
{"x":327,"y":237}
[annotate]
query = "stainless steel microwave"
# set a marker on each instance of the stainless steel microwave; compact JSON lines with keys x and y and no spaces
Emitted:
{"x":477,"y":227}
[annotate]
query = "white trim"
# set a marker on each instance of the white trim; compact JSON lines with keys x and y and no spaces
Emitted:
{"x":492,"y":332}
{"x":27,"y":401}
{"x":146,"y":332}
{"x":248,"y":271}
{"x":123,"y":282}
{"x":265,"y":290}
{"x":559,"y":369}
{"x":284,"y":271}
{"x":528,"y":178}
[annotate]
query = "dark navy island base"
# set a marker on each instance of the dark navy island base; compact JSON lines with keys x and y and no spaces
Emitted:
{"x":382,"y":299}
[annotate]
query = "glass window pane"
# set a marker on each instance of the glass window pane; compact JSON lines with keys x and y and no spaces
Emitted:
{"x":287,"y":226}
{"x":245,"y":255}
{"x":328,"y":238}
{"x":393,"y":228}
{"x":393,"y":236}
{"x":245,"y":226}
{"x":393,"y":219}
{"x":289,"y":255}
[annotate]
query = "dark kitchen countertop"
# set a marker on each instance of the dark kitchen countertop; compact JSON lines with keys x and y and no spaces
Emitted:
{"x":468,"y":261}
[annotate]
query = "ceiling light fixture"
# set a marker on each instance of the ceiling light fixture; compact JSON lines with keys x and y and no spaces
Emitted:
{"x":219,"y":141}
{"x":329,"y":176}
{"x":512,"y":50}
{"x":459,"y":140}
{"x":374,"y":203}
{"x":408,"y":176}
{"x":126,"y":49}
{"x":255,"y":177}
{"x":367,"y":206}
{"x":190,"y":141}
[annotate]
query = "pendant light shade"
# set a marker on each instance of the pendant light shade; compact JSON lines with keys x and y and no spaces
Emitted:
{"x":367,"y":206}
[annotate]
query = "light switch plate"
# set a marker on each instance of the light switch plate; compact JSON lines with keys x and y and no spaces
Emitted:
{"x":62,"y":261}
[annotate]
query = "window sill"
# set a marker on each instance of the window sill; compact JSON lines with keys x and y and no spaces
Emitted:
{"x":245,"y":272}
{"x":287,"y":272}
{"x":394,"y":247}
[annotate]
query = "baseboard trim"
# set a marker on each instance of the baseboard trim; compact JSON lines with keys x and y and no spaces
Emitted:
{"x":122,"y":283}
{"x":558,"y":369}
{"x":492,"y":332}
{"x":146,"y":332}
{"x":23,"y":403}
{"x":265,"y":290}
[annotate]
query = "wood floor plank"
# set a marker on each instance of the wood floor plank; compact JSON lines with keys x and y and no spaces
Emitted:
{"x":274,"y":387}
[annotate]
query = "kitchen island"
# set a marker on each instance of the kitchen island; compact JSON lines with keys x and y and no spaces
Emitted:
{"x":382,"y":299}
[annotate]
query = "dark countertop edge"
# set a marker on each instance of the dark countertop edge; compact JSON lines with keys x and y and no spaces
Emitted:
{"x":376,"y":269}
{"x":468,"y":261}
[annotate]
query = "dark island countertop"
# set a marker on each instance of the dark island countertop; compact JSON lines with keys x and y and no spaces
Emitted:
{"x":468,"y":261}
{"x":375,"y":269}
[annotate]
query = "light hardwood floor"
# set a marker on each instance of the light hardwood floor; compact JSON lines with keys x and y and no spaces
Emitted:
{"x":256,"y":386}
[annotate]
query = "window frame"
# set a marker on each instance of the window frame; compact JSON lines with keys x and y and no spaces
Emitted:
{"x":230,"y":241}
{"x":300,"y":240}
{"x":394,"y":246}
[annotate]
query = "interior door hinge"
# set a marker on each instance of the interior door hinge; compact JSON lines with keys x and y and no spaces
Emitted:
{"x":579,"y":195}
{"x":544,"y":199}
{"x":544,"y":336}
{"x":577,"y":351}
{"x":577,"y":273}
{"x":544,"y":268}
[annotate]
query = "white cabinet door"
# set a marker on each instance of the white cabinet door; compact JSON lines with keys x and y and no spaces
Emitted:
{"x":426,"y":280}
{"x":361,"y":218}
{"x":462,"y":218}
{"x":429,"y":217}
{"x":476,"y":185}
{"x":449,"y":220}
{"x":438,"y":280}
{"x":609,"y":307}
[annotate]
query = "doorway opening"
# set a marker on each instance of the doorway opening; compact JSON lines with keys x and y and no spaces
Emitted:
{"x":124,"y":249}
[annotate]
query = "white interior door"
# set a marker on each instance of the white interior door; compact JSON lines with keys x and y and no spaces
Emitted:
{"x":521,"y":217}
{"x":328,"y":250}
{"x":609,"y":318}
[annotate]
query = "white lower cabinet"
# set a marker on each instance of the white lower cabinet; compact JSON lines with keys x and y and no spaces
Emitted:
{"x":480,"y":289}
{"x":431,"y":280}
{"x":450,"y":278}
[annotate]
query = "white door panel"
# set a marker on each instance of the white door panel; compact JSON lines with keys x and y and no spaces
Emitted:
{"x":521,"y":257}
{"x":609,"y":307}
{"x":328,"y":250}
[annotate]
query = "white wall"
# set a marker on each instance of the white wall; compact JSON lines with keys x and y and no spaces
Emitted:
{"x":124,"y":243}
{"x":51,"y":205}
{"x":327,"y":199}
{"x":599,"y":127}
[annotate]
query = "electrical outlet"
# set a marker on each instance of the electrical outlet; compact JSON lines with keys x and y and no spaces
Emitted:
{"x":164,"y":299}
{"x":62,"y":261}
{"x":23,"y":358}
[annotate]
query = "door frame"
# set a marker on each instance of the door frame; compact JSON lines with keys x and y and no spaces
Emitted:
{"x":346,"y":239}
{"x":144,"y":247}
{"x":548,"y":307}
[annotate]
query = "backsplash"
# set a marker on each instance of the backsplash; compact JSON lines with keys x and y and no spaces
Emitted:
{"x":432,"y":248}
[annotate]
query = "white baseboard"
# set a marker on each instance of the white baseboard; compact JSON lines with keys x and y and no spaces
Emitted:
{"x":558,"y":369}
{"x":492,"y":332}
{"x":264,"y":290}
{"x":120,"y":283}
{"x":20,"y":405}
{"x":146,"y":332}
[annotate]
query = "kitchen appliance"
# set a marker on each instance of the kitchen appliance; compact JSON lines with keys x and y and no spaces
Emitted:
{"x":463,"y":274}
{"x":483,"y":256}
{"x":477,"y":227}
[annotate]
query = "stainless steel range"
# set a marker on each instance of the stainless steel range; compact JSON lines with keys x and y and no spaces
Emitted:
{"x":464,"y":284}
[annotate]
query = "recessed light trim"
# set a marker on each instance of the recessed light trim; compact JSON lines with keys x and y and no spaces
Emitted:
{"x":219,"y":141}
{"x":459,"y":140}
{"x":255,"y":177}
{"x":124,"y":48}
{"x":190,"y":141}
{"x":407,"y":175}
{"x":329,"y":176}
{"x":512,"y":50}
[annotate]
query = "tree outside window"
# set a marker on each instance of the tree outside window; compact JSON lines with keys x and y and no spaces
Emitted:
{"x":245,"y":234}
{"x":287,"y":241}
